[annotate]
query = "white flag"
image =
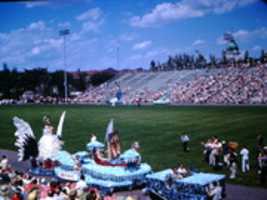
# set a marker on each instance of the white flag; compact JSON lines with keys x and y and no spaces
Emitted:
{"x":110,"y":129}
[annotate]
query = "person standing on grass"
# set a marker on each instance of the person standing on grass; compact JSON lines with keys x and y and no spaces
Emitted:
{"x":262,"y":159}
{"x":260,"y":142}
{"x":185,"y":140}
{"x":225,"y":151}
{"x":233,"y":165}
{"x":244,"y":159}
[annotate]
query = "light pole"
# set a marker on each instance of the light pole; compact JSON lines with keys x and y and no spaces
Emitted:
{"x":64,"y":33}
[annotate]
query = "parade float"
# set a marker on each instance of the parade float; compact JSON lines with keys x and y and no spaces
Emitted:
{"x":116,"y":171}
{"x":195,"y":186}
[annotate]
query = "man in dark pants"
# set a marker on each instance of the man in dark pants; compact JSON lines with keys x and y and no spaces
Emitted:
{"x":185,"y":140}
{"x":263,"y":166}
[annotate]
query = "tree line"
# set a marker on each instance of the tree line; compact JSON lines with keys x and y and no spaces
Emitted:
{"x":199,"y":61}
{"x":14,"y":83}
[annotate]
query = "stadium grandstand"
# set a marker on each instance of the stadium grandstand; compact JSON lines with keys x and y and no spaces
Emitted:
{"x":244,"y":84}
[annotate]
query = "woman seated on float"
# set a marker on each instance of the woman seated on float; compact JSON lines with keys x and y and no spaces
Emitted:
{"x":114,"y":145}
{"x":131,"y":156}
{"x":181,"y":172}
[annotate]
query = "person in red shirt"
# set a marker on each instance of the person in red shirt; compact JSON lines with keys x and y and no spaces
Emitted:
{"x":31,"y":185}
{"x":17,"y":195}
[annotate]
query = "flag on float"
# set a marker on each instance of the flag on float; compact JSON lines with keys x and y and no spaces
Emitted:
{"x":109,"y":131}
{"x":60,"y":124}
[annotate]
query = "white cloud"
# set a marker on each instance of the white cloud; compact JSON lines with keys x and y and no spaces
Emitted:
{"x":28,"y":43}
{"x":142,"y":45}
{"x":119,"y":41}
{"x":36,"y":51}
{"x":163,"y":13}
{"x":92,"y":26}
{"x":127,"y":37}
{"x":250,"y":34}
{"x":91,"y":20}
{"x":75,"y":36}
{"x":218,"y":6}
{"x":39,"y":26}
{"x":3,"y":37}
{"x":198,"y":42}
{"x":168,"y":12}
{"x":91,"y":14}
{"x":63,"y":25}
{"x":36,"y":4}
{"x":256,"y":48}
{"x":41,"y":3}
{"x":241,"y":34}
{"x":39,"y":44}
{"x":220,"y":41}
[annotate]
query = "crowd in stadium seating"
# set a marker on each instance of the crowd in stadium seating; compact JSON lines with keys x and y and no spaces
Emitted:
{"x":233,"y":86}
{"x":94,"y":95}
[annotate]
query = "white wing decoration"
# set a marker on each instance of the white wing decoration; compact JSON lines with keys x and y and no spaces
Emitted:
{"x":25,"y":140}
{"x":60,"y":124}
{"x":22,"y":127}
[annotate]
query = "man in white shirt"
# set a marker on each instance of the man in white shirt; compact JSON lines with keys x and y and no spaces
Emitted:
{"x":244,"y":159}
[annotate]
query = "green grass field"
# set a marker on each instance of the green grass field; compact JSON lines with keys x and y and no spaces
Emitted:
{"x":157,"y":128}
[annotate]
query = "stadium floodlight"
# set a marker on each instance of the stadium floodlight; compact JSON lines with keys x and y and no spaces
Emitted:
{"x":64,"y":33}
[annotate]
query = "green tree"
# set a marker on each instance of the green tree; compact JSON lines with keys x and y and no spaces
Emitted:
{"x":152,"y":66}
{"x":100,"y":77}
{"x":263,"y":56}
{"x":246,"y":56}
{"x":212,"y":61}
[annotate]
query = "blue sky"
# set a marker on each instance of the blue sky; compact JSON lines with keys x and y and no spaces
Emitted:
{"x":135,"y":31}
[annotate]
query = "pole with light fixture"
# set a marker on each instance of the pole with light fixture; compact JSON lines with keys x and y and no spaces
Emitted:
{"x":64,"y":33}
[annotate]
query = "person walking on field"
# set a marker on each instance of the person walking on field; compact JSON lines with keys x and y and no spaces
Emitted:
{"x":244,"y":159}
{"x":262,"y":159}
{"x":185,"y":140}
